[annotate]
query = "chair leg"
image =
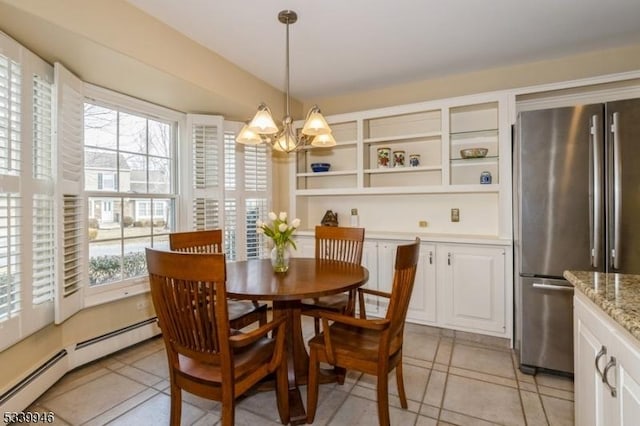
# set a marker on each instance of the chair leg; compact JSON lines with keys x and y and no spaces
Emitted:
{"x":383,"y":398}
{"x":262,"y":318}
{"x":340,"y":373}
{"x":312,"y":386}
{"x":316,"y":326}
{"x":400,"y":381}
{"x":282,"y":391}
{"x":228,"y":410}
{"x":176,"y":405}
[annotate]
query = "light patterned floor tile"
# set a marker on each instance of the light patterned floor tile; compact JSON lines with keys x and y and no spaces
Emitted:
{"x":93,"y":398}
{"x":493,"y":403}
{"x":559,"y":411}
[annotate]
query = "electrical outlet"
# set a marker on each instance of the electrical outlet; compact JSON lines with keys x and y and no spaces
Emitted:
{"x":422,"y":224}
{"x":455,"y":215}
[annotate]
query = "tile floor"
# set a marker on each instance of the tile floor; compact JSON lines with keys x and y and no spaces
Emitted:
{"x":451,"y":378}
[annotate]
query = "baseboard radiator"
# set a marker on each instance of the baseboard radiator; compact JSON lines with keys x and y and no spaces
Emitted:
{"x":26,"y":391}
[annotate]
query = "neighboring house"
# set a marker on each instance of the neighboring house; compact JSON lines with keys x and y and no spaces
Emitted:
{"x":101,"y":174}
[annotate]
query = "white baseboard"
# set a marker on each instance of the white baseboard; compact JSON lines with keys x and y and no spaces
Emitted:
{"x":25,"y":392}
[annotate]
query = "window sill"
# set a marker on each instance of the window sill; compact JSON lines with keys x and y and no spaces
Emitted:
{"x":111,"y":292}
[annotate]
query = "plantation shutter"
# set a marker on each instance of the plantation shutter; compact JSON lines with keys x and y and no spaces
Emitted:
{"x":206,"y":171}
{"x":247,"y":196}
{"x":70,"y":210}
{"x":43,"y":236}
{"x":257,"y":203}
{"x":11,"y":201}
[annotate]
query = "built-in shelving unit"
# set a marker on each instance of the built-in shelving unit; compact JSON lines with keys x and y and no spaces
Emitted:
{"x":434,"y":131}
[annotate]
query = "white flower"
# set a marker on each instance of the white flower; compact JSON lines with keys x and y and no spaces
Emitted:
{"x":295,"y":223}
{"x":259,"y":231}
{"x":282,"y":227}
{"x":272,"y":216}
{"x":283,"y":216}
{"x":259,"y":223}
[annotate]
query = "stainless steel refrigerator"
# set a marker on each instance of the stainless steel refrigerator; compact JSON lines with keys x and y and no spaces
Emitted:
{"x":576,"y":206}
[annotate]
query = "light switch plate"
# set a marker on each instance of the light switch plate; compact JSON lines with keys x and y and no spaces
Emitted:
{"x":455,"y":215}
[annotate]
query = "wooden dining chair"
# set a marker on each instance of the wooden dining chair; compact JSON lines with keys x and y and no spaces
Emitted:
{"x":241,"y":313}
{"x":205,"y":357}
{"x":372,"y":346}
{"x":336,"y":243}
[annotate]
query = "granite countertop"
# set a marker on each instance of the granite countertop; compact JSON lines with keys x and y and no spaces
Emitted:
{"x":618,"y":295}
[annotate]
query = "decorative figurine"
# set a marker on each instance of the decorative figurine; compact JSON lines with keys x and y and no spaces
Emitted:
{"x":329,"y":219}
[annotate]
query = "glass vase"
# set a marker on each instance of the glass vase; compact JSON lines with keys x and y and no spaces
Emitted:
{"x":280,"y":258}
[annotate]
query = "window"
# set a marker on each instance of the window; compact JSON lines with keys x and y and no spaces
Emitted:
{"x":129,"y":175}
{"x":27,"y":239}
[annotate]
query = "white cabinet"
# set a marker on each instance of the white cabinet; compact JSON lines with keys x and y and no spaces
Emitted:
{"x":305,"y":247}
{"x":370,"y":261}
{"x":459,"y":286}
{"x":607,"y":368}
{"x":422,"y":306}
{"x":471,"y":287}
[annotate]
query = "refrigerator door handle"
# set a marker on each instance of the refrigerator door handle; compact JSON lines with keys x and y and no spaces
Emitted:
{"x":595,"y":175}
{"x":617,"y":199}
{"x":552,"y":287}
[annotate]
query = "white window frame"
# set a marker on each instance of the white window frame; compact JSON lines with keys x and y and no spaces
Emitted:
{"x":95,"y":295}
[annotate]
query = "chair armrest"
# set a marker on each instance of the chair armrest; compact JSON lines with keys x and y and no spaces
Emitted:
{"x":375,"y":292}
{"x":370,"y":324}
{"x":244,"y":339}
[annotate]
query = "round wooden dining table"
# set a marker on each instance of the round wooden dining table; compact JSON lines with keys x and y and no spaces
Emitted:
{"x":306,"y":278}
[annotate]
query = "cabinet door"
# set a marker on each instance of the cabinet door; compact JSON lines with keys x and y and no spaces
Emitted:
{"x":471,"y":291}
{"x":589,"y":387}
{"x":386,"y":263}
{"x":370,"y":261}
{"x":422,"y":306}
{"x":628,"y":381}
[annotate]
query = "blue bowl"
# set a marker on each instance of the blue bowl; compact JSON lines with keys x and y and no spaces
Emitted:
{"x":320,"y":167}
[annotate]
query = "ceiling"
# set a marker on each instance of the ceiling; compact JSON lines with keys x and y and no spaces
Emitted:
{"x":340,"y":46}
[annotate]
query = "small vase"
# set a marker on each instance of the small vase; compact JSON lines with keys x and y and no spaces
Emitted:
{"x":280,"y":258}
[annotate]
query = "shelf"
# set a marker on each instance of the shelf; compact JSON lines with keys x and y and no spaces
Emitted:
{"x":474,"y":161}
{"x":432,"y":189}
{"x":321,"y":174}
{"x":402,"y":138}
{"x":402,"y":169}
{"x":475,"y":132}
{"x":339,"y":144}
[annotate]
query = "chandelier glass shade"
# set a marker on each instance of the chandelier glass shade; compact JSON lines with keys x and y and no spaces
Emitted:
{"x":263,"y":129}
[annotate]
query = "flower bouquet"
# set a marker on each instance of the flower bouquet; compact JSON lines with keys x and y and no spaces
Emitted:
{"x":280,"y":231}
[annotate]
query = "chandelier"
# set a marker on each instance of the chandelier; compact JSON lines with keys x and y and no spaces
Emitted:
{"x":315,"y":132}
